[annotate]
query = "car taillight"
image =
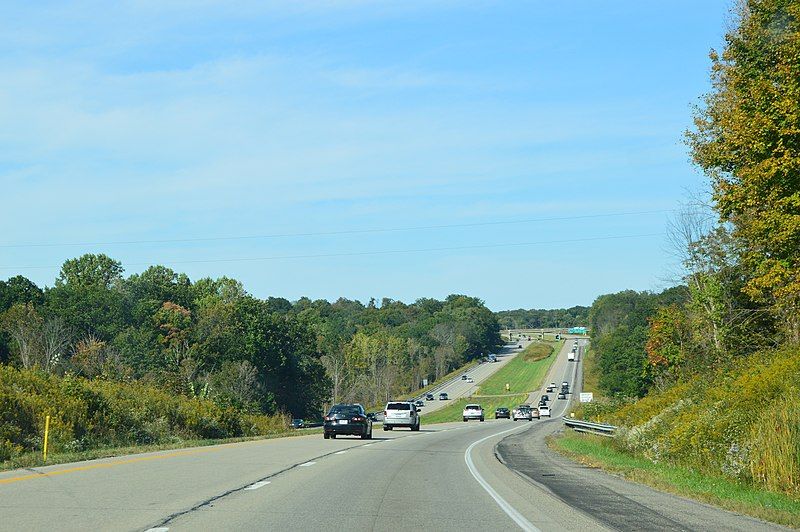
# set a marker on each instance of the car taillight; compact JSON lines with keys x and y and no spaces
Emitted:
{"x":328,"y":418}
{"x":385,"y":413}
{"x":358,"y":418}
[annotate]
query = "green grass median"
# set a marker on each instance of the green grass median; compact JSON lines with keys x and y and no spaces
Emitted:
{"x":524,"y":373}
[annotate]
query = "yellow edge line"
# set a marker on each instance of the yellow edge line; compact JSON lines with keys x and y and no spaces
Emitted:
{"x":106,"y":465}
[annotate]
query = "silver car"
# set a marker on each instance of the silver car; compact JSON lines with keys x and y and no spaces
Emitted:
{"x":524,"y":414}
{"x":400,"y":414}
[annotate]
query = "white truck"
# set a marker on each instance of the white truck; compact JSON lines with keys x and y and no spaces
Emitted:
{"x":571,"y":356}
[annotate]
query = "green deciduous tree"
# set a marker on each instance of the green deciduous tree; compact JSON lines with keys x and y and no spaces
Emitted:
{"x":747,"y":140}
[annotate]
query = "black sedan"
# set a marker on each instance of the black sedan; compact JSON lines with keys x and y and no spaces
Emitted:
{"x":502,"y":412}
{"x":347,"y":419}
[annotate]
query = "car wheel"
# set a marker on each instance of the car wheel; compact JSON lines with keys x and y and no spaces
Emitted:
{"x":465,"y":420}
{"x":326,"y":435}
{"x":415,"y":428}
{"x":481,"y":420}
{"x":333,"y":436}
{"x":385,"y":428}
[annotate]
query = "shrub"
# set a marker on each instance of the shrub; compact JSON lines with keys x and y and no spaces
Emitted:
{"x":87,"y":414}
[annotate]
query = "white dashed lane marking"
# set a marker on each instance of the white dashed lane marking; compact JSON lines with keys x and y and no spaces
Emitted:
{"x":257,"y":485}
{"x":340,"y":452}
{"x":307,"y":464}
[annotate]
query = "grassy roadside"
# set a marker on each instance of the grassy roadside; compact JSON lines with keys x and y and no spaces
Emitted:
{"x":35,"y":459}
{"x":591,"y":372}
{"x":452,"y":412}
{"x":717,"y":490}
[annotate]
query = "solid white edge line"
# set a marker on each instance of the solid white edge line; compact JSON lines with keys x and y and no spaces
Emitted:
{"x":307,"y":464}
{"x":157,"y":529}
{"x":518,"y":518}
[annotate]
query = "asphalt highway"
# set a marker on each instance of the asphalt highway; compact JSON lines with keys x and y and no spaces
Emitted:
{"x":445,"y":477}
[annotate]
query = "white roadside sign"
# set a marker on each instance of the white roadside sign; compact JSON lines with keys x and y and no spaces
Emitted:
{"x":587,"y":397}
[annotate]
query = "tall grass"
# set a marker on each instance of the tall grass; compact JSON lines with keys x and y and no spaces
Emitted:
{"x":741,"y":421}
{"x":775,"y":460}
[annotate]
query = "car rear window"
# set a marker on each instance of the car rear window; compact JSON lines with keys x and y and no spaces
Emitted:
{"x":346,"y":410}
{"x":473,"y":407}
{"x":398,"y":406}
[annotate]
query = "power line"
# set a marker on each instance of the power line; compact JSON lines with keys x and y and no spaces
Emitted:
{"x":366,"y":253}
{"x":326,"y":233}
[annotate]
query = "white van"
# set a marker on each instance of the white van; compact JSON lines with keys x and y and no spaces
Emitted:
{"x":400,"y":414}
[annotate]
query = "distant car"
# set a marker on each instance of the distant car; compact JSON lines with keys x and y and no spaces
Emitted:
{"x":545,"y":398}
{"x":552,"y":385}
{"x":472,"y":411}
{"x":418,"y":403}
{"x":523,"y":413}
{"x":502,"y":412}
{"x":298,"y":424}
{"x":443,"y":396}
{"x":544,"y":410}
{"x":492,"y":357}
{"x":470,"y":379}
{"x":429,"y":397}
{"x":551,"y":389}
{"x":565,"y":384}
{"x":347,"y":419}
{"x":463,"y":377}
{"x":372,"y":416}
{"x":562,"y":395}
{"x":400,"y":414}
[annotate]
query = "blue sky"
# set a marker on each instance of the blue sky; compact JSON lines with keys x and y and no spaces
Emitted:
{"x":174,"y":120}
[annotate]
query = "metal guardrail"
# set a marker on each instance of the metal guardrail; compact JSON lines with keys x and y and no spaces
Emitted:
{"x":591,"y":428}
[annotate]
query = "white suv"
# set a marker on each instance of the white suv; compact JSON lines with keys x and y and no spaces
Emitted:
{"x":400,"y":414}
{"x":472,"y":412}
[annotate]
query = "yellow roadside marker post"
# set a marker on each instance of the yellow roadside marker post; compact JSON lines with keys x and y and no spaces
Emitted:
{"x":46,"y":434}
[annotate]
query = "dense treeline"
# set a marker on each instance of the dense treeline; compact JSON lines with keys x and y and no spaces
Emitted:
{"x":210,"y":339}
{"x":543,"y":318}
{"x":718,"y":357}
{"x":620,"y":325}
